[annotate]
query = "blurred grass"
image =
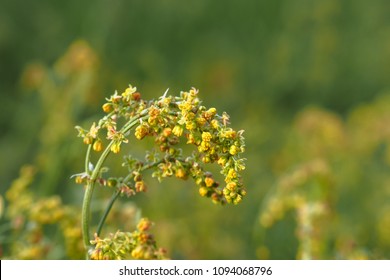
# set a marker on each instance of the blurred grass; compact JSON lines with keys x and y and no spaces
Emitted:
{"x":265,"y":63}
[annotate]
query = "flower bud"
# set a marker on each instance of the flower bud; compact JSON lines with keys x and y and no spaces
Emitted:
{"x":181,"y":173}
{"x":136,"y":96}
{"x":231,"y":186}
{"x":199,"y":181}
{"x":144,"y":224}
{"x":215,"y":124}
{"x":222,"y":161}
{"x":141,"y":131}
{"x":167,"y":131}
{"x":242,"y":192}
{"x":206,"y":136}
{"x":107,"y":107}
{"x":116,"y":147}
{"x":233,"y":150}
{"x":97,"y":145}
{"x":201,"y":121}
{"x":215,"y":198}
{"x":191,"y":139}
{"x":232,"y":174}
{"x":206,"y":159}
{"x":238,"y":199}
{"x":140,"y":186}
{"x":209,"y":181}
{"x":210,"y":113}
{"x":97,"y":254}
{"x":79,"y":180}
{"x":88,"y":140}
{"x":138,"y":252}
{"x":191,"y":125}
{"x":203,"y":191}
{"x":177,"y":130}
{"x":111,"y":182}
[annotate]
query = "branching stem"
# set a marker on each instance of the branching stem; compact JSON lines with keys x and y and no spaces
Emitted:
{"x":85,"y":215}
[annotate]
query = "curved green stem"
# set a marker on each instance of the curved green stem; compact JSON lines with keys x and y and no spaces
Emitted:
{"x":108,"y":209}
{"x":87,"y":159}
{"x":85,"y":215}
{"x":88,"y":196}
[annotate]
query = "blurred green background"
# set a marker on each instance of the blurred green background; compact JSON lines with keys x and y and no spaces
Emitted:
{"x":308,"y":81}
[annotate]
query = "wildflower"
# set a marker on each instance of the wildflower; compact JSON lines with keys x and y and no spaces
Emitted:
{"x":167,"y":132}
{"x":206,"y":136}
{"x":107,"y":107}
{"x":181,"y":173}
{"x":229,"y":133}
{"x":232,"y":186}
{"x":206,"y":159}
{"x":93,"y":131}
{"x":88,"y":140}
{"x":144,"y":224}
{"x":201,"y":121}
{"x":126,"y":190}
{"x":111,"y":182}
{"x":210,"y":113}
{"x":154,"y":112}
{"x":209,"y":181}
{"x":191,"y":125}
{"x":136,"y":96}
{"x":222,"y":160}
{"x":128,"y":93}
{"x":140,"y":186}
{"x":191,"y":138}
{"x":141,"y":131}
{"x":97,"y":145}
{"x":204,"y":146}
{"x":79,"y":180}
{"x":214,"y":124}
{"x":185,"y":107}
{"x":177,"y":130}
{"x":238,"y":199}
{"x":138,"y":252}
{"x":233,"y":150}
{"x":225,"y":118}
{"x":203,"y":191}
{"x":116,"y":147}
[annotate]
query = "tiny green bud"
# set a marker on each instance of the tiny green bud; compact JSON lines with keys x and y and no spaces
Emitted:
{"x":111,"y":182}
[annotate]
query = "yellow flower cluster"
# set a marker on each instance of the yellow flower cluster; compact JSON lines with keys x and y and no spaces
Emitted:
{"x":138,"y":244}
{"x":167,"y":120}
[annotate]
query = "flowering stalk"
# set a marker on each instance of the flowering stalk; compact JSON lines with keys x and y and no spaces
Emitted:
{"x":167,"y":119}
{"x":91,"y":184}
